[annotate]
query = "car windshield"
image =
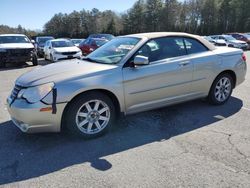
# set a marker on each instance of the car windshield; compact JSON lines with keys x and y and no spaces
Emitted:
{"x":62,"y":43}
{"x":228,"y":37}
{"x":14,"y":39}
{"x":104,"y":36}
{"x":100,"y":42}
{"x":247,"y":36}
{"x":42,"y":40}
{"x":113,"y":51}
{"x":208,"y":38}
{"x":76,"y":41}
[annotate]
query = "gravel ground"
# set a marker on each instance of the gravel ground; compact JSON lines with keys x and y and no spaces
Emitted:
{"x":187,"y":145}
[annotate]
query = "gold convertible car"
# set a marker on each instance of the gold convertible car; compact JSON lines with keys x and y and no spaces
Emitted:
{"x":127,"y":75}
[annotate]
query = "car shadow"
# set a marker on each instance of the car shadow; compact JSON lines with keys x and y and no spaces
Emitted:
{"x":41,"y":62}
{"x":28,"y":156}
{"x":11,"y":66}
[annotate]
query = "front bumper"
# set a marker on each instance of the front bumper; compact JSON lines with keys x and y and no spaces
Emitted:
{"x":58,"y":57}
{"x":30,"y":119}
{"x":15,"y":57}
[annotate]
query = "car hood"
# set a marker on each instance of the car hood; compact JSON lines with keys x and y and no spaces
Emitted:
{"x":238,"y":42}
{"x":67,"y":49}
{"x":62,"y":71}
{"x":16,"y":45}
{"x":221,"y":41}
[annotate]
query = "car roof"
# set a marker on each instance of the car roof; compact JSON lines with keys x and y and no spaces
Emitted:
{"x":45,"y":37}
{"x":167,"y":34}
{"x":102,"y":39}
{"x":76,"y":39}
{"x":13,"y":35}
{"x":54,"y":40}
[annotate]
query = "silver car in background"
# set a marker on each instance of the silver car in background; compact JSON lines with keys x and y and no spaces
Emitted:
{"x":127,"y":75}
{"x":231,"y":41}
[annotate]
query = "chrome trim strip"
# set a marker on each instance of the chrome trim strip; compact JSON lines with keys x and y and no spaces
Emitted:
{"x":171,"y":85}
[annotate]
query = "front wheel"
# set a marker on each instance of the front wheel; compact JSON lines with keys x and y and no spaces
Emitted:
{"x":221,"y":89}
{"x":51,"y":58}
{"x":90,"y":115}
{"x":34,"y":60}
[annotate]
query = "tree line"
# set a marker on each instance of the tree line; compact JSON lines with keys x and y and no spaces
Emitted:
{"x":203,"y":17}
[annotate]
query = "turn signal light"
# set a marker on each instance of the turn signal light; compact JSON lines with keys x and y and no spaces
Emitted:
{"x":46,"y":109}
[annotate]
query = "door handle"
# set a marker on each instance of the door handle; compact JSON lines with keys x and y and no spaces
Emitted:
{"x":183,"y":64}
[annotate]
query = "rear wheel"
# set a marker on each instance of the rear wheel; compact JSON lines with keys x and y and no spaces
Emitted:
{"x":221,"y":89}
{"x":90,"y":115}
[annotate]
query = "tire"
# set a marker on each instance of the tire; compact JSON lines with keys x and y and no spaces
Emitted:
{"x":34,"y":61}
{"x":221,"y":89}
{"x":84,"y":118}
{"x":45,"y":58}
{"x":51,"y":58}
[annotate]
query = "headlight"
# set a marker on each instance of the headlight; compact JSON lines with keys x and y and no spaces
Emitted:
{"x":37,"y":93}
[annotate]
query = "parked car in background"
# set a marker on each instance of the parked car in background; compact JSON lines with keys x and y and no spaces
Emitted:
{"x":102,"y":36}
{"x":127,"y":75}
{"x":216,"y":42}
{"x":242,"y":37}
{"x":231,"y":41}
{"x":16,"y":48}
{"x":39,"y":44}
{"x":60,"y":49}
{"x":77,"y":42}
{"x":91,"y":44}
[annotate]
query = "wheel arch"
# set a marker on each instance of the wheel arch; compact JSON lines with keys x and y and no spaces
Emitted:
{"x":231,"y":73}
{"x":110,"y":94}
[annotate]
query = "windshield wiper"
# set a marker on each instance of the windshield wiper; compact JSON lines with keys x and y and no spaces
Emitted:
{"x":92,"y":60}
{"x":88,"y":59}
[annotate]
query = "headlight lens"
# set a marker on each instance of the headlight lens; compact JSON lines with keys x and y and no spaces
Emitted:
{"x":37,"y":93}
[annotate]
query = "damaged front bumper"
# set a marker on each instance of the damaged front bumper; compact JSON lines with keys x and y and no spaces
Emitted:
{"x":30,"y":118}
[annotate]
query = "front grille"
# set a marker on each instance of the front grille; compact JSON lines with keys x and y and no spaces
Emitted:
{"x":15,"y":91}
{"x":69,"y":53}
{"x":19,"y":52}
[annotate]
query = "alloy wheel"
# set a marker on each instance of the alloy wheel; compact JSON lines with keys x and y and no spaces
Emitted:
{"x":93,"y":116}
{"x":223,"y":89}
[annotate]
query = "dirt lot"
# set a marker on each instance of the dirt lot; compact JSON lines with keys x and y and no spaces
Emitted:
{"x":188,"y":145}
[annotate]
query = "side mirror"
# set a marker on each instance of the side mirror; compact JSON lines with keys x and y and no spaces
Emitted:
{"x":141,"y":60}
{"x":33,"y":42}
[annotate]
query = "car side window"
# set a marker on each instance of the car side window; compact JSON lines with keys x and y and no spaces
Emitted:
{"x":162,"y":48}
{"x":193,"y":46}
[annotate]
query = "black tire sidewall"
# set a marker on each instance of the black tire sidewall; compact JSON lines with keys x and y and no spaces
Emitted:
{"x":75,"y":105}
{"x":35,"y":60}
{"x":51,"y":58}
{"x":212,"y":99}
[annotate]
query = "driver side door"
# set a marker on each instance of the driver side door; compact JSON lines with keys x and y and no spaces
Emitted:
{"x":166,"y":79}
